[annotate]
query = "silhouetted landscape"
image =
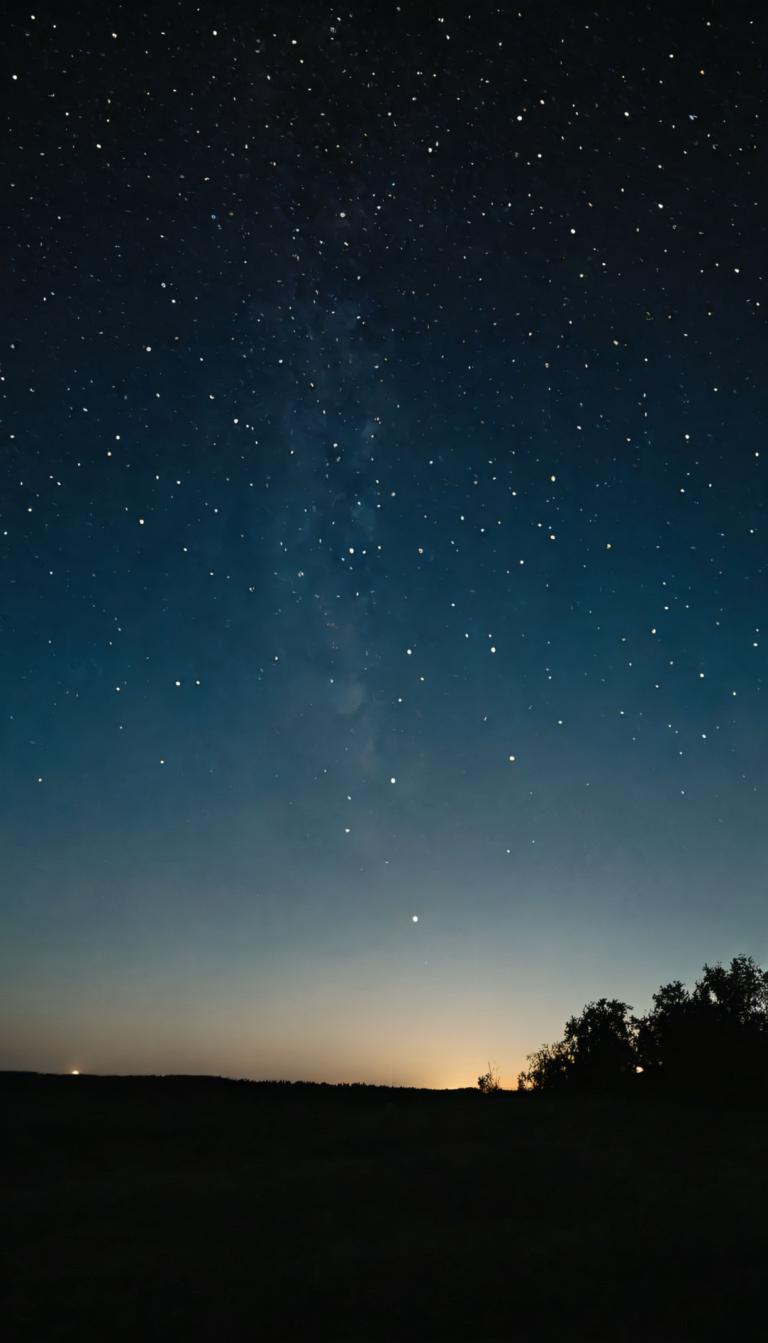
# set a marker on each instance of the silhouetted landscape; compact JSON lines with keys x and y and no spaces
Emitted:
{"x":157,"y":1207}
{"x":383,"y":673}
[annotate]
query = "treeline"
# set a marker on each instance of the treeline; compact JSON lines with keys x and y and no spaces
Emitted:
{"x":713,"y":1037}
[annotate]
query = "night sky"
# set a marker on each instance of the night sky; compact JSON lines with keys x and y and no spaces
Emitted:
{"x":382,"y":528}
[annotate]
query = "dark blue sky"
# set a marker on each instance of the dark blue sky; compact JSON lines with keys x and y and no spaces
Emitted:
{"x":382,"y":526}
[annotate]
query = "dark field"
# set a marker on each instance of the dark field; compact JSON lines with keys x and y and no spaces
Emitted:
{"x":197,"y":1208}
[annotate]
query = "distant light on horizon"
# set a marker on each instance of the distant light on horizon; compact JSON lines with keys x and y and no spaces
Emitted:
{"x":75,"y":1072}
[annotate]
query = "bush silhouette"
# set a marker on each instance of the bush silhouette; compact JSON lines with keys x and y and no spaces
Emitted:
{"x":489,"y":1083}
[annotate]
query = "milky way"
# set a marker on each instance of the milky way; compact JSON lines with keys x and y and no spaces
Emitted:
{"x":382,"y":530}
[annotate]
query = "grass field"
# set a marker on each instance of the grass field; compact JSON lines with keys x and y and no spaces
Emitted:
{"x":198,"y":1208}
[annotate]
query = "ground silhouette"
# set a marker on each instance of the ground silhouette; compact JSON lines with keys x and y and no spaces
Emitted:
{"x":157,"y":1208}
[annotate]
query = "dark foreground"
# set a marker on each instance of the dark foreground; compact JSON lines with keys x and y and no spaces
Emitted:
{"x":156,"y":1209}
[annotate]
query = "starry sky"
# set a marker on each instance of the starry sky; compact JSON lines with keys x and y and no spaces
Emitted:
{"x":382,"y":528}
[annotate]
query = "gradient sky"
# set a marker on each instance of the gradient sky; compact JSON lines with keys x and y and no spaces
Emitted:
{"x":382,"y":524}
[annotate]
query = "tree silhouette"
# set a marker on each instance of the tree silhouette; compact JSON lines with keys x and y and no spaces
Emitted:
{"x":739,"y":993}
{"x":549,"y":1069}
{"x":597,"y":1051}
{"x":731,"y":1005}
{"x":663,"y":1035}
{"x":716,"y":1036}
{"x":602,"y":1041}
{"x":712,"y":1037}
